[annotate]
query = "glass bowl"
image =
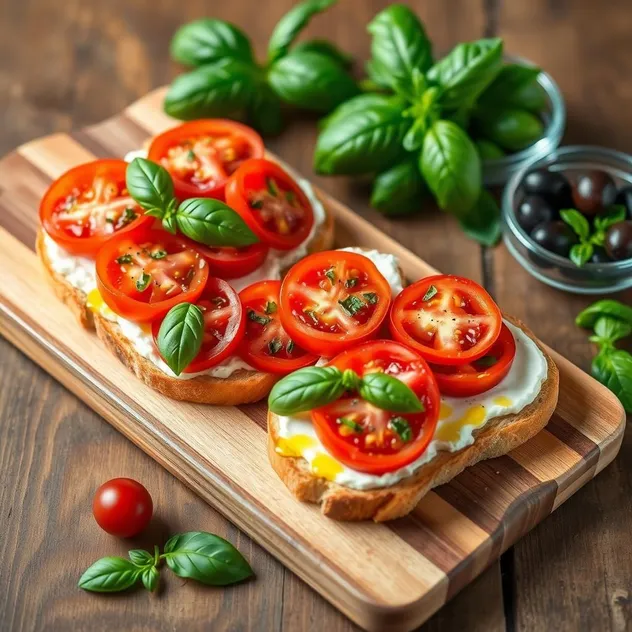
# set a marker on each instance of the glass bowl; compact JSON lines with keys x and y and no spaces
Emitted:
{"x":553,"y":269}
{"x":500,"y":170}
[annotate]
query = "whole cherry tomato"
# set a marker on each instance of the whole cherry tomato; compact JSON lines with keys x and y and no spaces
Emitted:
{"x":122,"y":507}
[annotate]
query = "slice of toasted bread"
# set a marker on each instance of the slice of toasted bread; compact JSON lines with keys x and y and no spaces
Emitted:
{"x":499,"y":436}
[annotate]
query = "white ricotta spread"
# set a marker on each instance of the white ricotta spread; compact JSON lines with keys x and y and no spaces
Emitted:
{"x":458,"y":420}
{"x":387,"y":265}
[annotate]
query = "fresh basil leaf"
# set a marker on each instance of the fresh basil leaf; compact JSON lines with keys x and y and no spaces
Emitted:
{"x":150,"y":577}
{"x":213,"y":223}
{"x":311,"y":81}
{"x":511,"y":128}
{"x":581,"y":253}
{"x":223,"y":88}
{"x":264,"y":111}
{"x":325,"y":47}
{"x":399,"y":46}
{"x":352,"y":304}
{"x":451,"y":167}
{"x":364,"y":141}
{"x":356,"y":104}
{"x":150,"y":185}
{"x":511,"y":79}
{"x":180,"y":336}
{"x":305,"y":389}
{"x":141,"y":557}
{"x":608,"y":330}
{"x":613,"y":368}
{"x":488,"y":150}
{"x":208,"y":40}
{"x":377,"y":76}
{"x":349,"y":423}
{"x":169,"y":223}
{"x":350,"y":380}
{"x":389,"y":393}
{"x":425,"y":112}
{"x":291,"y":24}
{"x":482,"y":221}
{"x":257,"y":318}
{"x":414,"y":138}
{"x":613,"y":215}
{"x":206,"y":558}
{"x":577,"y":222}
{"x":110,"y":574}
{"x":466,"y":71}
{"x":605,"y":307}
{"x":399,"y":190}
{"x":431,"y":292}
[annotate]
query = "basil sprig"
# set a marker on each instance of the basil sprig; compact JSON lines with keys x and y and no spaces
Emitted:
{"x":227,"y":81}
{"x":611,"y":321}
{"x":204,"y":220}
{"x":313,"y":387}
{"x":180,"y":336}
{"x":197,"y":555}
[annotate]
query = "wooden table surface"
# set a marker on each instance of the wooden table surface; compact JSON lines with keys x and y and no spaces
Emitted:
{"x":65,"y":65}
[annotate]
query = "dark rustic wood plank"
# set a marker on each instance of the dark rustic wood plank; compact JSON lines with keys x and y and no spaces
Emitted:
{"x":585,"y":46}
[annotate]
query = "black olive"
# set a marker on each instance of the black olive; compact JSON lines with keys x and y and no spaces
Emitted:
{"x":593,"y":191}
{"x":557,"y":237}
{"x":624,"y":197}
{"x":619,"y":241}
{"x":600,"y":256}
{"x":534,"y":210}
{"x":550,"y":184}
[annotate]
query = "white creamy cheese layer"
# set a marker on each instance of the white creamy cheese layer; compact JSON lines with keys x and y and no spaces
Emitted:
{"x":459,"y":418}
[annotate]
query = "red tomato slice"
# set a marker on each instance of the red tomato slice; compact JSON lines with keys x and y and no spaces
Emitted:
{"x":266,"y":345}
{"x":447,"y":319}
{"x":480,"y":375}
{"x":271,"y":203}
{"x":88,"y":205}
{"x":333,"y":300}
{"x":201,"y":155}
{"x":232,"y":263}
{"x":224,"y":325}
{"x":142,"y":275}
{"x":367,"y":438}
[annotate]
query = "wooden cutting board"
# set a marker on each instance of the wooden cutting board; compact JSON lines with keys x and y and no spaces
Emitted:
{"x":387,"y":576}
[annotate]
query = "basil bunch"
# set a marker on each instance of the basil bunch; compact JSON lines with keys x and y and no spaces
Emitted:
{"x":227,"y":81}
{"x":610,"y":321}
{"x":315,"y":386}
{"x":204,"y":220}
{"x":413,"y":137}
{"x":196,"y":555}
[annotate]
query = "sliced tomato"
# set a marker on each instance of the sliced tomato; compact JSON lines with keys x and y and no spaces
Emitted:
{"x":88,"y":205}
{"x":266,"y":345}
{"x":467,"y":380}
{"x":367,"y":438}
{"x":271,"y":203}
{"x":333,"y":300}
{"x":447,"y":319}
{"x":201,"y":155}
{"x":232,"y":263}
{"x":142,"y":275}
{"x":224,"y":325}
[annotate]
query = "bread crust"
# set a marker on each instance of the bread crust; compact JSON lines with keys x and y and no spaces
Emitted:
{"x":499,"y":436}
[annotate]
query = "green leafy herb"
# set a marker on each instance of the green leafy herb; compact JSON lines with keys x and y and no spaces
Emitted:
{"x":331,"y":275}
{"x":150,"y":577}
{"x":305,"y":389}
{"x":349,"y":423}
{"x":605,"y":307}
{"x":158,"y":254}
{"x":272,"y":187}
{"x":401,"y":427}
{"x":431,"y":292}
{"x":482,"y":221}
{"x":124,"y":259}
{"x":257,"y":318}
{"x":258,"y":204}
{"x":352,"y":304}
{"x":370,"y":297}
{"x":110,"y":574}
{"x":143,"y":281}
{"x":290,"y":197}
{"x":389,"y":393}
{"x":577,"y":222}
{"x":270,"y":307}
{"x":129,"y":215}
{"x":488,"y":150}
{"x":399,"y":190}
{"x":151,"y":186}
{"x":290,"y":347}
{"x":141,"y":557}
{"x":613,"y":368}
{"x":615,"y":214}
{"x":512,"y":129}
{"x":608,"y":330}
{"x":581,"y":253}
{"x":326,"y":48}
{"x":349,"y":283}
{"x":190,"y":155}
{"x":350,"y":380}
{"x":274,"y":346}
{"x":312,"y":315}
{"x":180,"y":336}
{"x":506,"y":88}
{"x":486,"y":362}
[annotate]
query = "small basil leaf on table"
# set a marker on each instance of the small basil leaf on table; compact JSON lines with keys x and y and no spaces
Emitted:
{"x":608,"y":330}
{"x":511,"y":79}
{"x":213,"y":223}
{"x":467,"y":70}
{"x":264,"y":111}
{"x":605,"y":307}
{"x":613,"y":368}
{"x":110,"y":574}
{"x":208,"y":40}
{"x":451,"y":167}
{"x":180,"y":336}
{"x":399,"y":190}
{"x":511,"y":128}
{"x":311,"y":80}
{"x":482,"y":221}
{"x":399,"y":45}
{"x":364,"y":141}
{"x":305,"y":389}
{"x":141,"y":557}
{"x":222,"y":88}
{"x":325,"y":47}
{"x":581,"y":253}
{"x":389,"y":393}
{"x":150,"y":577}
{"x":150,"y":185}
{"x":206,"y":558}
{"x":291,"y":24}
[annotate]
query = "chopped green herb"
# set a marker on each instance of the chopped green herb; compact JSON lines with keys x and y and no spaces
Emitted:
{"x":257,"y":318}
{"x":143,"y":282}
{"x":349,"y":423}
{"x":190,"y":155}
{"x":129,"y":215}
{"x":430,"y":292}
{"x":271,"y":307}
{"x":486,"y":361}
{"x":158,"y":254}
{"x":274,"y":346}
{"x":351,"y":282}
{"x":290,"y":347}
{"x":401,"y":426}
{"x":290,"y":197}
{"x":124,"y":259}
{"x":331,"y":275}
{"x":109,"y":220}
{"x":272,"y":187}
{"x":352,"y":304}
{"x":256,"y":204}
{"x":312,"y":314}
{"x":371,"y":298}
